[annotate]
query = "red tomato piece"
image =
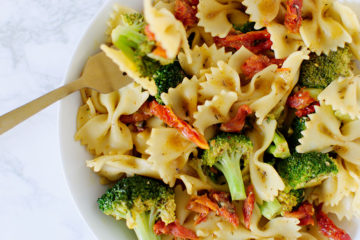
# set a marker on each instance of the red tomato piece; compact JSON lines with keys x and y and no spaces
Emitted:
{"x":237,"y":123}
{"x":304,"y":213}
{"x":248,"y":206}
{"x":256,"y":41}
{"x":300,"y":100}
{"x":256,"y":63}
{"x":141,"y":115}
{"x":307,"y":110}
{"x":169,"y":117}
{"x":185,"y":11}
{"x":175,"y":229}
{"x":328,"y":228}
{"x":150,"y":35}
{"x":293,"y":17}
{"x":227,"y":210}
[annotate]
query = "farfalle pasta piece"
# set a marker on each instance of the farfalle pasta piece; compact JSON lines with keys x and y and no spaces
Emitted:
{"x":214,"y":16}
{"x":127,"y":66}
{"x":140,"y":139}
{"x":262,"y":12}
{"x":168,"y":4}
{"x":113,"y":167}
{"x":267,"y":182}
{"x":181,"y":200}
{"x":203,"y":57}
{"x":115,"y":19}
{"x":283,"y":42}
{"x":87,"y":93}
{"x":169,"y":151}
{"x":340,"y":193}
{"x":183,"y":98}
{"x":168,"y":31}
{"x":320,"y":32}
{"x":85,"y":113}
{"x":220,"y":78}
{"x":199,"y":36}
{"x":104,"y":133}
{"x":343,"y":95}
{"x":214,"y":111}
{"x":205,"y":229}
{"x":193,"y":184}
{"x":347,"y":17}
{"x":324,"y":133}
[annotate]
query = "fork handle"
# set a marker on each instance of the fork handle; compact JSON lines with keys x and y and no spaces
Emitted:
{"x":16,"y":116}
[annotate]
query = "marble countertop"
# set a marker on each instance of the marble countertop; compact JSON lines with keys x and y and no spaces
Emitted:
{"x":37,"y":38}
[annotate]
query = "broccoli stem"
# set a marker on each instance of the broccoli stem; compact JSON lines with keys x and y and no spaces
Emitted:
{"x":144,"y":223}
{"x":280,"y":148}
{"x":229,"y":165}
{"x":270,"y":209}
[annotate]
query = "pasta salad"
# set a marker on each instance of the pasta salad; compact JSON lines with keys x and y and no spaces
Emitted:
{"x":242,"y":122}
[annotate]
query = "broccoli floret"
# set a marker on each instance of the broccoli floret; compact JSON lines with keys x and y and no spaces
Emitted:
{"x":320,"y":71}
{"x":279,"y":148}
{"x":246,"y":27}
{"x":167,"y":76}
{"x":141,"y":201}
{"x":302,"y":170}
{"x":130,"y":38}
{"x":226,"y":152}
{"x":285,"y":202}
{"x":298,"y":125}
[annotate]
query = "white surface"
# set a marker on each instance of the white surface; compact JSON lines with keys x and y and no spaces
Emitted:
{"x":37,"y":39}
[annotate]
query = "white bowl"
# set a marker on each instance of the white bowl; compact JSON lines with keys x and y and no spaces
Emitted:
{"x":83,"y":183}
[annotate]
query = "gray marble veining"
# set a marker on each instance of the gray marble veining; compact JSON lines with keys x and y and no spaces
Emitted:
{"x":37,"y":38}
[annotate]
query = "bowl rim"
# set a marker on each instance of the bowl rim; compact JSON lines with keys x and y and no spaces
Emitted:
{"x":66,"y":78}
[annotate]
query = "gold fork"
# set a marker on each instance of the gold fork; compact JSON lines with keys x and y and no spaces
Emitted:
{"x":100,"y":73}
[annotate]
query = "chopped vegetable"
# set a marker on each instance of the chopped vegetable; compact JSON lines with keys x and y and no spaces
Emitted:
{"x":227,"y":151}
{"x":185,"y":11}
{"x":328,"y":228}
{"x":256,"y":63}
{"x":168,"y":116}
{"x":237,"y":123}
{"x":174,"y":229}
{"x":293,"y":17}
{"x":256,"y":41}
{"x":304,"y":213}
{"x":248,"y":206}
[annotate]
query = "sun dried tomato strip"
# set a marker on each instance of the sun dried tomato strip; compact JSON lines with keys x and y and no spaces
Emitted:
{"x":140,"y":115}
{"x":248,"y":206}
{"x":300,"y":100}
{"x":150,"y":35}
{"x":227,"y":210}
{"x":304,"y":213}
{"x":256,"y":41}
{"x":293,"y":17}
{"x":218,"y":202}
{"x":307,"y":110}
{"x":159,"y":51}
{"x":169,"y":117}
{"x":256,"y":63}
{"x":185,"y":11}
{"x":175,"y":229}
{"x":204,"y":201}
{"x":237,"y":123}
{"x":328,"y":228}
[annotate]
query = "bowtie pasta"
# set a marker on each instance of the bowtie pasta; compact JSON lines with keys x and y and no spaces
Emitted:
{"x":242,"y":120}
